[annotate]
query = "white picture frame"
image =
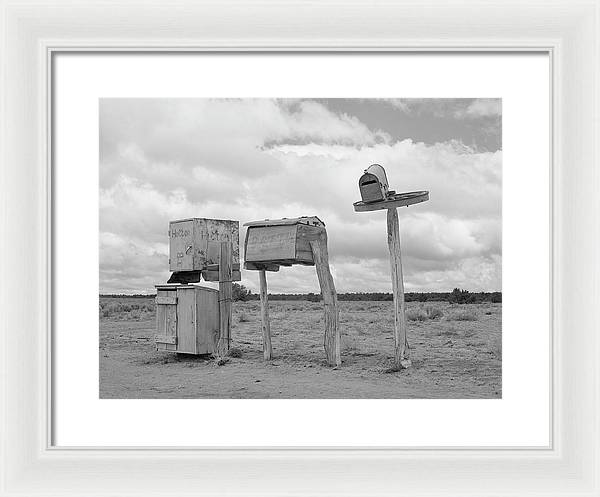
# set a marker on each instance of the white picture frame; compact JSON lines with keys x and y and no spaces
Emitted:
{"x":568,"y":31}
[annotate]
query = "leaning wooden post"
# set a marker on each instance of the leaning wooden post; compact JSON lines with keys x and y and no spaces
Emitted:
{"x":264,"y":314}
{"x":225,"y":297}
{"x":332,"y":330}
{"x":401,"y":356}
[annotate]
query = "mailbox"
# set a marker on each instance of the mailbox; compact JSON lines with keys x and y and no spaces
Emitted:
{"x":373,"y":184}
{"x":281,"y":242}
{"x":194,"y":248}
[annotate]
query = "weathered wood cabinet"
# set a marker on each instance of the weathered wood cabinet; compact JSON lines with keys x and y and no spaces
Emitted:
{"x":284,"y":242}
{"x":187,"y":318}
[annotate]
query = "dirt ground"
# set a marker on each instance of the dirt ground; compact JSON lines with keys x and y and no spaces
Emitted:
{"x":456,"y":352}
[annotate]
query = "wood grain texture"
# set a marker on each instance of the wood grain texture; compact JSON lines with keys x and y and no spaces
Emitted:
{"x":187,"y":327}
{"x":332,"y":342}
{"x":225,"y":295}
{"x":166,"y":319}
{"x":401,"y":354}
{"x":194,"y":243}
{"x":207,"y":319}
{"x":268,"y":243}
{"x":264,"y":314}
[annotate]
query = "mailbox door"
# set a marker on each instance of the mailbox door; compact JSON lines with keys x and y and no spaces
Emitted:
{"x":370,"y":188}
{"x":186,"y":320}
{"x":166,"y":320}
{"x":181,"y":249}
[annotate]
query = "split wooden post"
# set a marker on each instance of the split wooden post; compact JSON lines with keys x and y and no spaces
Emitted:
{"x":332,"y":342}
{"x":225,"y":297}
{"x":401,"y":356}
{"x":264,"y":314}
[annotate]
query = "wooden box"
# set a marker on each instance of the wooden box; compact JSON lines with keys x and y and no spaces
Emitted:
{"x":187,"y":318}
{"x":271,"y":243}
{"x":194,"y":244}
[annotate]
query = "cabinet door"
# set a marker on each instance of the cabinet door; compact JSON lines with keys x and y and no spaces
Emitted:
{"x":186,"y":320}
{"x":166,"y":320}
{"x":207,"y":316}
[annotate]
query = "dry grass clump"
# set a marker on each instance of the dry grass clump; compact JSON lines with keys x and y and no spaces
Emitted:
{"x":433,"y":312}
{"x":424,"y":313}
{"x":234,"y":352}
{"x":463,"y":315}
{"x":416,"y":315}
{"x":126,"y":310}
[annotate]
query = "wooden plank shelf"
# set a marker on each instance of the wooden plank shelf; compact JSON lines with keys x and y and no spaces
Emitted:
{"x":393,"y":201}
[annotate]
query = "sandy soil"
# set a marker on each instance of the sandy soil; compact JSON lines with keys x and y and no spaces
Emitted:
{"x":452,"y":357}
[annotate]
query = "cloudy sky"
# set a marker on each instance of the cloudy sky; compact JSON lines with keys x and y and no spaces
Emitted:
{"x":251,"y":159}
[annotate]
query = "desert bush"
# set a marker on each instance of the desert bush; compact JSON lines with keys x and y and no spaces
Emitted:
{"x":463,"y":315}
{"x":433,"y":312}
{"x":243,"y":317}
{"x":234,"y":352}
{"x":417,"y":315}
{"x":240,"y":293}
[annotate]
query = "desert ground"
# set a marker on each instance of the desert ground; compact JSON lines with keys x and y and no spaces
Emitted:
{"x":456,"y":352}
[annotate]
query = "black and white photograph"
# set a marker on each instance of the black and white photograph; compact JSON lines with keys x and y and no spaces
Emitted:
{"x":312,"y":248}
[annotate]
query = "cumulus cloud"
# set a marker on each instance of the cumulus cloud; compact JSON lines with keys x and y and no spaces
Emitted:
{"x":165,"y":159}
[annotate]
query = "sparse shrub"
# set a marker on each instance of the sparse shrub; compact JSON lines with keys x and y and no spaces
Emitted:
{"x":243,"y":318}
{"x":433,"y":312}
{"x":240,"y":293}
{"x":234,"y":352}
{"x":417,"y":315}
{"x":459,"y":296}
{"x":463,"y":315}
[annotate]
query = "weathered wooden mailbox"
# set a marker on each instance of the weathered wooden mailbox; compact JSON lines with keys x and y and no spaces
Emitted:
{"x":270,"y":244}
{"x":192,"y":319}
{"x":194,"y":249}
{"x":376,"y":195}
{"x":284,"y":242}
{"x":187,"y":318}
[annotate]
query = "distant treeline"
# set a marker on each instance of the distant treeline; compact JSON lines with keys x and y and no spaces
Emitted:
{"x":456,"y":296}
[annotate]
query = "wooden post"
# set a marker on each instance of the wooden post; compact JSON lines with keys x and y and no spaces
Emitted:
{"x":332,"y":330}
{"x":225,"y":296}
{"x":401,"y":356}
{"x":264,"y":314}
